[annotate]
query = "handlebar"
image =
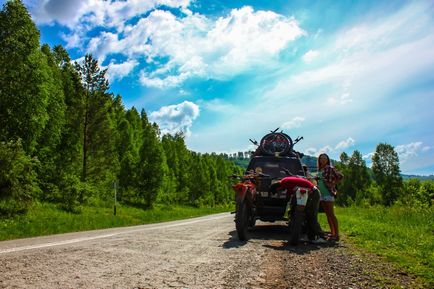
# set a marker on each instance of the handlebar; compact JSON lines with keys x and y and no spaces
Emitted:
{"x":249,"y":176}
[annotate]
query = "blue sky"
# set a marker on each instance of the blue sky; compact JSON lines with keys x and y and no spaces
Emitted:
{"x":345,"y":75}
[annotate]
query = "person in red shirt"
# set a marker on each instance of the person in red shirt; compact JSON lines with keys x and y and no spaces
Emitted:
{"x":291,"y":184}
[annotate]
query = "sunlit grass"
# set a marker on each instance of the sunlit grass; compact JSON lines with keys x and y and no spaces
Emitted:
{"x":46,"y":219}
{"x":404,"y":236}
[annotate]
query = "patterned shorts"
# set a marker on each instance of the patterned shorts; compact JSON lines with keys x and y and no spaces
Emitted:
{"x":327,"y":198}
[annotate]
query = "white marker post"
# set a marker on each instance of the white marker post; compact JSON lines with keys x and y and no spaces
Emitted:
{"x":115,"y":187}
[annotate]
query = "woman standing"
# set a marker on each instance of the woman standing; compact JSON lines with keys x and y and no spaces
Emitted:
{"x":327,"y":178}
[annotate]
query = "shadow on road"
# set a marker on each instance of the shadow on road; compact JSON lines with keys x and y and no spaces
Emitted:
{"x":275,"y":233}
{"x":302,"y":248}
{"x":259,"y":232}
{"x":233,"y":241}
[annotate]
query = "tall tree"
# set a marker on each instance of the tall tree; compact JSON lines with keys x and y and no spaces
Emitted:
{"x":150,"y":167}
{"x":72,"y":132}
{"x":48,"y":150}
{"x":178,"y":161}
{"x":385,"y":165}
{"x":130,"y":131}
{"x":18,"y":184}
{"x":24,"y":77}
{"x":99,"y":156}
{"x":358,"y":176}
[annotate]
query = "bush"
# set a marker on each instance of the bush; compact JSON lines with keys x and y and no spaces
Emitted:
{"x":416,"y":192}
{"x":371,"y":196}
{"x":18,"y":178}
{"x":71,"y":190}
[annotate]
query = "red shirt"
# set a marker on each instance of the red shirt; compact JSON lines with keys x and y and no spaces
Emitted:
{"x":289,"y":183}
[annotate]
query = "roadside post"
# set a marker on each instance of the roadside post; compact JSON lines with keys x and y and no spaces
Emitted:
{"x":115,"y":186}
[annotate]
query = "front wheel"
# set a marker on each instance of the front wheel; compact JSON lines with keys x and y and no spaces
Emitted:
{"x":242,"y":221}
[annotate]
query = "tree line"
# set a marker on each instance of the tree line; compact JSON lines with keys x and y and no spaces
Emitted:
{"x":381,"y":184}
{"x":64,"y":138}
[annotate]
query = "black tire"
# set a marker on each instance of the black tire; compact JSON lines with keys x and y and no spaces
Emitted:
{"x":242,"y":221}
{"x":273,"y":135}
{"x":296,"y":223}
{"x":252,"y":222}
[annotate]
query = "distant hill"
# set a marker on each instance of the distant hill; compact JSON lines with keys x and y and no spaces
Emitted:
{"x":310,"y":162}
{"x":422,"y":178}
{"x":243,"y":159}
{"x":243,"y":162}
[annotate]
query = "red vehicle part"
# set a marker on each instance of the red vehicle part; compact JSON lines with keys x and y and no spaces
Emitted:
{"x":245,"y":197}
{"x":244,"y":190}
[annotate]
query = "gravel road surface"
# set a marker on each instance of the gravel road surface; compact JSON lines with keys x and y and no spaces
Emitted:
{"x":196,"y":253}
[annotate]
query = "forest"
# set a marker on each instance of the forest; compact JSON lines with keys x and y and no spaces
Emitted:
{"x":65,"y":139}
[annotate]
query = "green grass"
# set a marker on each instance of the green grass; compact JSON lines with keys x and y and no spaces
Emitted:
{"x":404,"y":236}
{"x":47,"y":219}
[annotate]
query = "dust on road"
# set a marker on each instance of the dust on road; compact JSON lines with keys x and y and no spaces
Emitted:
{"x":198,"y":253}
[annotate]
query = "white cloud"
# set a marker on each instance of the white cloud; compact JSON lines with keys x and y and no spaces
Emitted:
{"x":218,"y":105}
{"x":311,"y":152}
{"x":95,"y":13}
{"x":168,"y":81}
{"x":368,"y":156}
{"x":325,"y":150}
{"x":408,"y":151}
{"x":371,"y":53}
{"x":65,"y":12}
{"x":200,"y":47}
{"x":309,"y":56}
{"x":426,"y":148}
{"x":176,"y":118}
{"x":120,"y":70}
{"x":349,"y":142}
{"x":341,"y":146}
{"x":293,"y":123}
{"x":177,"y":47}
{"x":341,"y":99}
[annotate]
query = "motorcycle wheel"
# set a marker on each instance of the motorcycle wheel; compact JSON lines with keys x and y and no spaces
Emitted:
{"x":297,"y":220}
{"x":252,"y":223}
{"x":242,"y":221}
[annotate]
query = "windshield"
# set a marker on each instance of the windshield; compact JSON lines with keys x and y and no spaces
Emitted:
{"x":275,"y":166}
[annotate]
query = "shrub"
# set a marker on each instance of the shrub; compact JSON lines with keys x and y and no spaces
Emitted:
{"x":18,"y":178}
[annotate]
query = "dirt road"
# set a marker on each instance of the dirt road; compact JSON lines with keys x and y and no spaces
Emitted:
{"x":196,"y":253}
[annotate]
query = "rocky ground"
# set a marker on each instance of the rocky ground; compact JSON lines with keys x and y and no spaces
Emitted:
{"x":197,"y":253}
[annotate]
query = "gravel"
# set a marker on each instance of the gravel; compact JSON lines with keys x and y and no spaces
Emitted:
{"x":198,"y":253}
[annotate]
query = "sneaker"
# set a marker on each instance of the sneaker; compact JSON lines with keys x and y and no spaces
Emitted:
{"x":319,"y":241}
{"x":304,"y":238}
{"x":333,"y":238}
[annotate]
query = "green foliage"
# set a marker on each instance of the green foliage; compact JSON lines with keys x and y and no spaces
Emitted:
{"x":71,"y":143}
{"x":46,"y":218}
{"x":385,"y":165}
{"x":402,"y":234}
{"x":18,"y":183}
{"x":150,"y":167}
{"x":24,"y":78}
{"x":100,"y":164}
{"x":356,"y":179}
{"x":178,"y":165}
{"x":418,"y":193}
{"x":84,"y":138}
{"x":47,"y":148}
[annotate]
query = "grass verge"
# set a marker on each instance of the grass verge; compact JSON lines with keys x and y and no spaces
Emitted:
{"x":404,"y":236}
{"x":46,"y":219}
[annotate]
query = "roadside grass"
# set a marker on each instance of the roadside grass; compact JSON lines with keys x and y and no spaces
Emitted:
{"x":403,"y":235}
{"x":46,"y":219}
